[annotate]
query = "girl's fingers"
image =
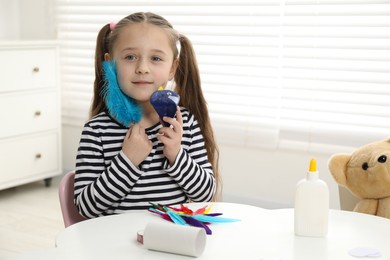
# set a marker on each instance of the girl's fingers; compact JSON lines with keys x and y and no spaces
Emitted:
{"x":141,"y":130}
{"x":129,"y":132}
{"x":165,"y":131}
{"x":175,"y":123}
{"x":179,"y":117}
{"x":169,"y":120}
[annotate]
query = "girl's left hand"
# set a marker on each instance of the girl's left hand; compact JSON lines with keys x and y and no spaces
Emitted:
{"x":171,"y":136}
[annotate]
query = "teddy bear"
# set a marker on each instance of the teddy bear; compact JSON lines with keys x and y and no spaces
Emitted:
{"x":366,"y":174}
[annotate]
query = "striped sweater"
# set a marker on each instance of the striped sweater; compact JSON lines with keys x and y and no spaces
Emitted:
{"x":106,"y":181}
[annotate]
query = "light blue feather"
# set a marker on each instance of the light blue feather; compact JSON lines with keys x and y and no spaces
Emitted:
{"x":210,"y":219}
{"x":120,"y":106}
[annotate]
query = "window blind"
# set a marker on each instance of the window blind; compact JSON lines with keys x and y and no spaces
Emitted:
{"x":304,"y":75}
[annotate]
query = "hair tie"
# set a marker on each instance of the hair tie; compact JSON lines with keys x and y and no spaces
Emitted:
{"x":112,"y":26}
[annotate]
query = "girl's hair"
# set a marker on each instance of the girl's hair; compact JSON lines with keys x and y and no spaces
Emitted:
{"x":187,"y":78}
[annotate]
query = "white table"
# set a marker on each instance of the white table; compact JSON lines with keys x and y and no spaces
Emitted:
{"x":261,"y":234}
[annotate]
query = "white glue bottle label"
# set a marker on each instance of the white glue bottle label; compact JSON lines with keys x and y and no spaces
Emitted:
{"x":311,"y":205}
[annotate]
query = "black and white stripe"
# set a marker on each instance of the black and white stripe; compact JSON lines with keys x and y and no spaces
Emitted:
{"x":106,"y":181}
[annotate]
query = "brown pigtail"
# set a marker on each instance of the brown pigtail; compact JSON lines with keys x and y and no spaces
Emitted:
{"x":98,"y":104}
{"x":188,"y":86}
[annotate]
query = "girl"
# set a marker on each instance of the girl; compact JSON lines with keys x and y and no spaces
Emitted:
{"x":126,"y":158}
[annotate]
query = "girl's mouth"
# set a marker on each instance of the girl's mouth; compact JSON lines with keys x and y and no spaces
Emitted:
{"x":142,"y":82}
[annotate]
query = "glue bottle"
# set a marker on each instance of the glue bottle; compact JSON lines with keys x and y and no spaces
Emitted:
{"x":311,"y":205}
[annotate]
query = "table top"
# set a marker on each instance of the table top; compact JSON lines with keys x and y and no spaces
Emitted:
{"x":260,"y":234}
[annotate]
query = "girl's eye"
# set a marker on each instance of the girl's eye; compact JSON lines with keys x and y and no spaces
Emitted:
{"x":156,"y":58}
{"x":130,"y":57}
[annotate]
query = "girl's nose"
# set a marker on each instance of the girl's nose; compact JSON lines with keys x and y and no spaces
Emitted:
{"x":142,"y":67}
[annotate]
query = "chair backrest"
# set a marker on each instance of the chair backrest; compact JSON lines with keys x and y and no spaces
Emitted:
{"x":348,"y":201}
{"x":69,"y":210}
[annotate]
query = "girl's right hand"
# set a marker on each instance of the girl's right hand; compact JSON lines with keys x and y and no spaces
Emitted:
{"x":136,"y":145}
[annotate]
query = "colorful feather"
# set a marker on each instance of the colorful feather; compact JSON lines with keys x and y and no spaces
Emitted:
{"x":120,"y":106}
{"x":196,"y":223}
{"x":211,"y":219}
{"x":185,"y":216}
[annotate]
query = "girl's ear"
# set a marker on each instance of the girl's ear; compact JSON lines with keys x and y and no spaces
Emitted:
{"x":107,"y":56}
{"x":175,"y":64}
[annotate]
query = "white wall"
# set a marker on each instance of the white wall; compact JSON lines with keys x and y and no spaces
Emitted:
{"x":252,"y":176}
{"x":70,"y":142}
{"x":9,"y":20}
{"x":37,"y":19}
{"x":267,"y":178}
{"x":27,"y":20}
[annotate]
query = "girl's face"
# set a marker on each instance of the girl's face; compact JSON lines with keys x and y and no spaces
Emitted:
{"x":144,"y":60}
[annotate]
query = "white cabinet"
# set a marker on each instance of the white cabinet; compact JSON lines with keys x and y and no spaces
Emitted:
{"x":30,"y":128}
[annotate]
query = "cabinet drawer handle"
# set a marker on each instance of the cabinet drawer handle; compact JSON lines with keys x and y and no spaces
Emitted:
{"x":38,"y":156}
{"x":37,"y":113}
{"x":36,"y":69}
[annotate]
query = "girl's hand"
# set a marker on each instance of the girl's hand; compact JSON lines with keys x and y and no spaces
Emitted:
{"x":136,"y":145}
{"x":171,"y":136}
